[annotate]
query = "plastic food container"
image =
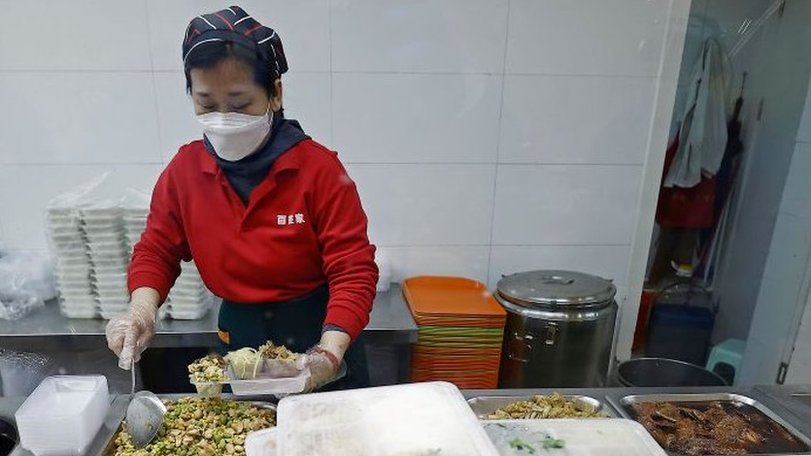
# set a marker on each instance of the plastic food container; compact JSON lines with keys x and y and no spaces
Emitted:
{"x":63,"y":414}
{"x":255,"y":387}
{"x":261,"y":443}
{"x":617,"y":437}
{"x":420,"y":418}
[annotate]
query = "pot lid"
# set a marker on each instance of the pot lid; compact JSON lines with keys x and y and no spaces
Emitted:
{"x":556,"y":288}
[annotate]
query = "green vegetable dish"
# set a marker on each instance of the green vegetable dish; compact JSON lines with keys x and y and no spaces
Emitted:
{"x":200,"y":427}
{"x":548,"y":443}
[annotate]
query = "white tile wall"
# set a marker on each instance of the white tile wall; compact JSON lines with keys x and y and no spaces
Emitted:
{"x":763,"y":347}
{"x":177,"y":125}
{"x":75,"y":117}
{"x":620,"y":37}
{"x":307,"y":98}
{"x":302,"y":24}
{"x":804,"y":131}
{"x":459,"y":36}
{"x":438,"y":260}
{"x":23,"y":210}
{"x":796,"y":193}
{"x":789,"y":251}
{"x":410,"y":118}
{"x":452,"y":116}
{"x":562,"y":119}
{"x":609,"y":261}
{"x":560,"y":204}
{"x":427,"y":204}
{"x":77,"y":35}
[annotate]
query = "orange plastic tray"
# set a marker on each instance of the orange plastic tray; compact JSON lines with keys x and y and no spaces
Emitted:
{"x":450,"y":296}
{"x":494,"y":352}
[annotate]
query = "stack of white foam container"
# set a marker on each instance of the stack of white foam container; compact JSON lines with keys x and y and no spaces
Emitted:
{"x":93,"y":245}
{"x":73,"y":267}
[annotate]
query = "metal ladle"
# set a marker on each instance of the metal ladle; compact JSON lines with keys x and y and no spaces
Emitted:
{"x":144,"y":415}
{"x":144,"y":418}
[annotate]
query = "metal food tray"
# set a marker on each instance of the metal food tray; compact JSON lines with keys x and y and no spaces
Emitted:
{"x":795,"y":397}
{"x":109,"y":448}
{"x":483,"y":406}
{"x":624,"y":406}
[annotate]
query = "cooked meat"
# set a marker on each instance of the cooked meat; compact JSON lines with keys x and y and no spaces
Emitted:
{"x":703,"y":428}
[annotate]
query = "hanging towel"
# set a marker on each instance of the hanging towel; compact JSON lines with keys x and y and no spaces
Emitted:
{"x":703,"y":135}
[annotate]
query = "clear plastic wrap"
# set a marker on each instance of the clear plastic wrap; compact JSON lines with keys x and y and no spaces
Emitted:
{"x":21,"y":372}
{"x":93,"y":230}
{"x":26,"y":282}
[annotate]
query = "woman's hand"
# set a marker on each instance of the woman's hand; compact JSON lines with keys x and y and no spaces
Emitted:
{"x":130,"y":334}
{"x":324,"y":360}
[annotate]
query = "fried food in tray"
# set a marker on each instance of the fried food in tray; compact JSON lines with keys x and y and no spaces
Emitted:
{"x":714,"y":427}
{"x":200,"y":426}
{"x":544,"y":407}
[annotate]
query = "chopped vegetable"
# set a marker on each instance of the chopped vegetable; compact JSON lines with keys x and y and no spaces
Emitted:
{"x":201,"y":427}
{"x":208,"y":369}
{"x":544,"y":407}
{"x":280,"y":352}
{"x":520,"y":445}
{"x":550,"y":443}
{"x":246,"y":362}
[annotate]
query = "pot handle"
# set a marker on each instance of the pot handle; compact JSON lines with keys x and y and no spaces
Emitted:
{"x":519,"y":347}
{"x":552,"y":331}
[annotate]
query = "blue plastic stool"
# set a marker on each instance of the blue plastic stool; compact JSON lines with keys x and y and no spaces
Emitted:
{"x":726,"y":358}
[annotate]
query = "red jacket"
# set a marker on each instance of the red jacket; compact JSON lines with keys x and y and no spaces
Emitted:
{"x":303,"y":227}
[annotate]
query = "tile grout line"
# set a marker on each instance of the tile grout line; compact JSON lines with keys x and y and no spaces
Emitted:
{"x":564,"y":245}
{"x":512,"y":164}
{"x":360,"y":72}
{"x":353,"y":163}
{"x":155,"y":102}
{"x":498,"y":146}
{"x":331,"y":72}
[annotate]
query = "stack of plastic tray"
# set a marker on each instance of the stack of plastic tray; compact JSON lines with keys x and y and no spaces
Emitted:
{"x":109,"y":257}
{"x":73,"y":266}
{"x":134,"y":224}
{"x":63,"y":415}
{"x":189,"y":299}
{"x":460,"y":328}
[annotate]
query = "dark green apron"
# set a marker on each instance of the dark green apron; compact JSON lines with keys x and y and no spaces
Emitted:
{"x":295,"y":324}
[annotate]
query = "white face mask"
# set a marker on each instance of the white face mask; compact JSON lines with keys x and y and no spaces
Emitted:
{"x":234,"y":135}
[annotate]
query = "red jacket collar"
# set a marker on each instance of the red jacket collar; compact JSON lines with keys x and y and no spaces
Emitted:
{"x":287,"y":161}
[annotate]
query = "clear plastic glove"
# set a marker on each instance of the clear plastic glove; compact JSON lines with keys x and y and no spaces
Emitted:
{"x":323,"y":366}
{"x":129,"y":335}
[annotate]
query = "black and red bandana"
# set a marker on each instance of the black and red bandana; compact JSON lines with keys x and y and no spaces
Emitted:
{"x":234,"y":25}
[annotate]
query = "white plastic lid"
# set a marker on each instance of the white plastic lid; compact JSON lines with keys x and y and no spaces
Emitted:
{"x":62,"y":396}
{"x":261,"y":443}
{"x":420,"y":418}
{"x":604,"y":437}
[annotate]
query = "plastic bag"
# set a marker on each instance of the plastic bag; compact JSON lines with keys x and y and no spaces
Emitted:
{"x":26,"y":282}
{"x":21,"y":372}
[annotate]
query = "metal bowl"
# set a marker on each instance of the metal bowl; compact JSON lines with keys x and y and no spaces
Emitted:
{"x":663,"y":372}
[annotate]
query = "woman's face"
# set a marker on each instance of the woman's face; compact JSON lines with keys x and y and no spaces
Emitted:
{"x":230,"y":87}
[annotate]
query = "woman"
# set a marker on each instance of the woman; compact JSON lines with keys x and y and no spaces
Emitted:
{"x":270,"y":217}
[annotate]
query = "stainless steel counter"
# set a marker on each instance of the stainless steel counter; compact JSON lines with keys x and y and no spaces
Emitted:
{"x":8,"y":405}
{"x":46,"y":329}
{"x":796,"y":399}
